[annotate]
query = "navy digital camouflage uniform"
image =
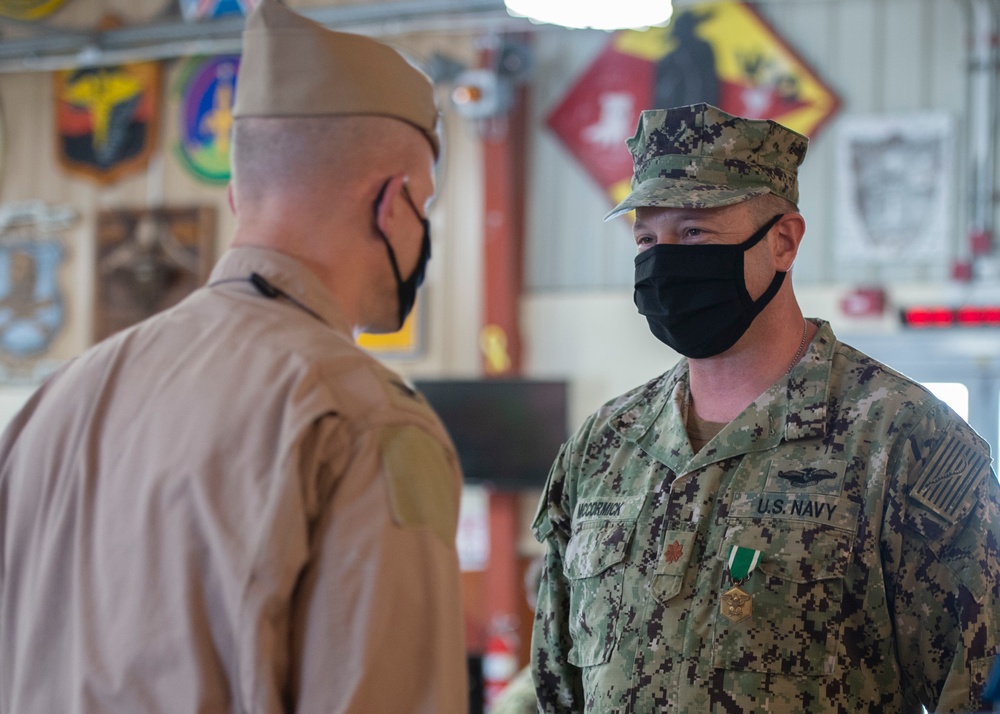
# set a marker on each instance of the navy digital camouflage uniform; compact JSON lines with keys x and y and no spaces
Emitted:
{"x":876,"y":512}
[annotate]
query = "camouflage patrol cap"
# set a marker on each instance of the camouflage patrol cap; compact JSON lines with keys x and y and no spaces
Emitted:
{"x":294,"y":67}
{"x":699,"y":156}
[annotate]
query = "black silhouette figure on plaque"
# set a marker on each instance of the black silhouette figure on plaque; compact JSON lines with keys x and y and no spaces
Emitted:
{"x":686,"y":74}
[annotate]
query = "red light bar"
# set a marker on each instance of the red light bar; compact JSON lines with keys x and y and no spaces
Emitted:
{"x":978,"y":316}
{"x":927,"y":316}
{"x":940,"y":317}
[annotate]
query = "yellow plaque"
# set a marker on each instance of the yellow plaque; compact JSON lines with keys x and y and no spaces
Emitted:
{"x":405,"y":341}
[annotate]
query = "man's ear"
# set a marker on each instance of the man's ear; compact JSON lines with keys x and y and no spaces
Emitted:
{"x":385,"y":212}
{"x":786,"y":236}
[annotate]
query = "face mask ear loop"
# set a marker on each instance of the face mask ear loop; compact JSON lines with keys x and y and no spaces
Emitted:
{"x":760,"y":303}
{"x":409,"y":199}
{"x":779,"y":277}
{"x":424,"y":221}
{"x":388,"y":246}
{"x":759,"y":235}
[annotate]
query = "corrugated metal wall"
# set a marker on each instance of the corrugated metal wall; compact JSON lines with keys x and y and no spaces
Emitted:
{"x":883,"y":57}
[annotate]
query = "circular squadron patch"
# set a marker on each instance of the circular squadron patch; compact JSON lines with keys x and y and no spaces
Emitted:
{"x":207,"y":89}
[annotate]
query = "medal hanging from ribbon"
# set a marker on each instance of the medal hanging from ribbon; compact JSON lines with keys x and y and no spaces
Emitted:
{"x":736,"y":604}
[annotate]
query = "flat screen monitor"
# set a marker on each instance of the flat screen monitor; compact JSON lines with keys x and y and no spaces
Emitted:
{"x":507,"y":431}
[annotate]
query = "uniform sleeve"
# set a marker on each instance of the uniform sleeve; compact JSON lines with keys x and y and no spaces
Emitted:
{"x":558,"y":684}
{"x":518,"y":697}
{"x":378,"y":621}
{"x":8,"y":439}
{"x":945,"y":519}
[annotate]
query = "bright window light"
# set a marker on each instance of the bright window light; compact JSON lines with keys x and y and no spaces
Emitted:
{"x":954,"y":394}
{"x":619,"y":15}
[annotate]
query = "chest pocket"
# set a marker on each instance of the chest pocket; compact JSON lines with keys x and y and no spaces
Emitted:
{"x":796,"y":601}
{"x":595,"y":561}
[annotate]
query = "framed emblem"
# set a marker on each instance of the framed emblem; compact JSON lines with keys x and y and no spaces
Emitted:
{"x":32,"y":310}
{"x":895,"y":186}
{"x":148,"y":260}
{"x":207,"y":88}
{"x":106,"y":119}
{"x":203,"y":9}
{"x":32,"y":306}
{"x":29,"y":9}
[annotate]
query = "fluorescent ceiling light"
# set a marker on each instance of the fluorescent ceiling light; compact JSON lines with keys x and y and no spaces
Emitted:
{"x":596,"y":14}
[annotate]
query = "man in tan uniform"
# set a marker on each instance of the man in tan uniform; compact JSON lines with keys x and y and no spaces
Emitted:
{"x":230,"y":507}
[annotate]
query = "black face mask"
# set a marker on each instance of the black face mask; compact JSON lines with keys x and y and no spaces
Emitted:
{"x":695,"y":297}
{"x":406,"y":290}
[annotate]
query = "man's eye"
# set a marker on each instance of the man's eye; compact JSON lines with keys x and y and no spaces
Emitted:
{"x":692,"y":232}
{"x":644,"y":240}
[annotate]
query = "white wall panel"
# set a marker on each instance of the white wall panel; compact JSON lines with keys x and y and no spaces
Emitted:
{"x":568,"y":244}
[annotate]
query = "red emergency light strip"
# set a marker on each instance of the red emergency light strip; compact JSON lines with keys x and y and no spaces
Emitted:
{"x":940,"y":317}
{"x":979,"y":316}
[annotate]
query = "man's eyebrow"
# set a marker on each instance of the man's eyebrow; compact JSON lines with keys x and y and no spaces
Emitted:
{"x":691,"y":214}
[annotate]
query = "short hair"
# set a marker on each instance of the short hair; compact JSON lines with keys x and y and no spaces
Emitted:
{"x":764,"y":208}
{"x":310,"y":154}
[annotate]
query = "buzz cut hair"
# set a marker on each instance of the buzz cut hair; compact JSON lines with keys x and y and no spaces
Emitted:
{"x":769,"y":205}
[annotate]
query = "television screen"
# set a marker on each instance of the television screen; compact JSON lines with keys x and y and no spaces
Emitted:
{"x":507,"y":431}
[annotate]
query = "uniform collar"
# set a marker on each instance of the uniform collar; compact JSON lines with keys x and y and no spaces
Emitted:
{"x":795,"y":407}
{"x":285,"y":273}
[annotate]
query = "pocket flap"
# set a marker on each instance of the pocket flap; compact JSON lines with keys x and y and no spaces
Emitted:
{"x":796,"y":553}
{"x":596,"y":546}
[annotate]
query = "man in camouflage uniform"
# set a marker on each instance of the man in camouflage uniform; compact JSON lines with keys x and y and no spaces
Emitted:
{"x":778,"y":523}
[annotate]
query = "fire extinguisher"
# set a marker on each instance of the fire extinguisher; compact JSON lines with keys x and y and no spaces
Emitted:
{"x":500,"y":662}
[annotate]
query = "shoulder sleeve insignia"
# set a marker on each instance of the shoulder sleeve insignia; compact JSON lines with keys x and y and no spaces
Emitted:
{"x":949,"y":478}
{"x":420,"y":479}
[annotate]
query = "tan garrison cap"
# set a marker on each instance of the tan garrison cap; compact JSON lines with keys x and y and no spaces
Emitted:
{"x":294,"y":67}
{"x":699,"y":156}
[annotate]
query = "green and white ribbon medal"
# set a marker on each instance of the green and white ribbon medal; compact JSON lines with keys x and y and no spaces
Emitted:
{"x":742,"y":561}
{"x":736,"y":605}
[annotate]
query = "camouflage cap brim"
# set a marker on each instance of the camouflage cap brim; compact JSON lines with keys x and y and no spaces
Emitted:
{"x":674,"y":193}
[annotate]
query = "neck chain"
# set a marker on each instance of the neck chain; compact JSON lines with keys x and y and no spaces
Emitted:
{"x":798,"y":352}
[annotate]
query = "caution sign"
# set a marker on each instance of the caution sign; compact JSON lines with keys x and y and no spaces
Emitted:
{"x":722,"y":53}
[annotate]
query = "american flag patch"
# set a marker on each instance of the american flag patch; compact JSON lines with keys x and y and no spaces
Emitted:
{"x":952,"y":473}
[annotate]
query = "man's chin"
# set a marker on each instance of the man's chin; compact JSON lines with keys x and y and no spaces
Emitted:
{"x":383,"y":327}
